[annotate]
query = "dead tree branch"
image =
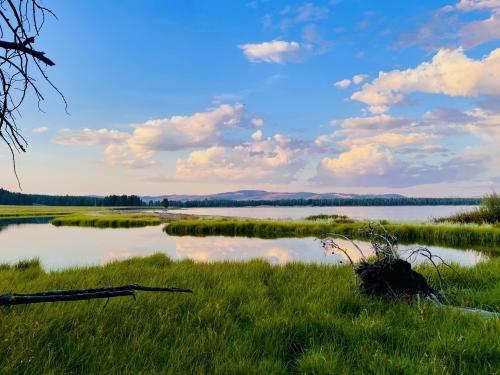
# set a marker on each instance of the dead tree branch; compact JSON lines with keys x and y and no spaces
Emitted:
{"x":20,"y":66}
{"x":12,"y":299}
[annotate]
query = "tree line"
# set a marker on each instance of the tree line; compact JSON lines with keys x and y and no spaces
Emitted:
{"x":10,"y":198}
{"x":330,"y":202}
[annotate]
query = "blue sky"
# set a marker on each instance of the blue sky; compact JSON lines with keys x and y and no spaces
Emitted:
{"x":201,"y":97}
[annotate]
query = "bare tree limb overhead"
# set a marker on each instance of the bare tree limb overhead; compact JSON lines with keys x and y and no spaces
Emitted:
{"x":21,"y":64}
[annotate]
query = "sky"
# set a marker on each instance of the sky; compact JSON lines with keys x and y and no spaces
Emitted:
{"x":198,"y":97}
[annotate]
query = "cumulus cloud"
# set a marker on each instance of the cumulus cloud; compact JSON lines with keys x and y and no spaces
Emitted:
{"x":450,"y":72}
{"x":257,"y":136}
{"x":391,"y":139}
{"x":359,"y":78}
{"x":356,"y":80}
{"x":384,"y":150}
{"x":180,"y":132}
{"x":90,"y":137}
{"x":343,"y":84}
{"x":136,"y":149}
{"x":275,"y":51}
{"x":378,"y":109}
{"x":257,"y":122}
{"x":370,"y":165}
{"x":275,"y":159}
{"x":364,"y":160}
{"x":41,"y":130}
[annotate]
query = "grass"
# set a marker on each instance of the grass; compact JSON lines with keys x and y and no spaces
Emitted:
{"x":36,"y":211}
{"x":325,"y":217}
{"x":103,"y":220}
{"x":488,"y":212}
{"x":245,"y":318}
{"x":450,"y":235}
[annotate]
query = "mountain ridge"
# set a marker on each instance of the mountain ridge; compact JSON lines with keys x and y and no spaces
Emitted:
{"x":247,"y":195}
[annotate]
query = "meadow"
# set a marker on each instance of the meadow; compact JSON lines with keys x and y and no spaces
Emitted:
{"x":246,"y":318}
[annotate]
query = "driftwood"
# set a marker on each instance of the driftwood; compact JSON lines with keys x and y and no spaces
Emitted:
{"x":393,"y":278}
{"x":389,"y":276}
{"x":82,"y":294}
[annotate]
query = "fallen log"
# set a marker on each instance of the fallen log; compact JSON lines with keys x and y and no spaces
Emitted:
{"x":107,"y":289}
{"x":82,"y":294}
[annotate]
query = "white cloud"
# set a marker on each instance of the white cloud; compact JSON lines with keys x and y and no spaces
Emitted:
{"x":377,"y":122}
{"x":453,"y":26}
{"x":378,"y":109}
{"x":41,"y":130}
{"x":471,"y":5}
{"x":362,"y":160}
{"x":275,"y":51}
{"x":450,"y":72}
{"x":137,"y":149}
{"x":359,"y":78}
{"x":181,"y":132}
{"x":90,"y":137}
{"x":257,"y":122}
{"x":343,"y":84}
{"x":122,"y":155}
{"x":478,"y":32}
{"x":257,"y":136}
{"x":391,"y":139}
{"x":276,"y":159}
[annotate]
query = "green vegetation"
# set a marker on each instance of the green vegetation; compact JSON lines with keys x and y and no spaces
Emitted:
{"x":488,"y":212}
{"x":245,"y":318}
{"x":403,"y":201}
{"x":37,"y":211}
{"x":325,"y":217}
{"x":107,"y":220}
{"x":451,"y":235}
{"x":10,"y":198}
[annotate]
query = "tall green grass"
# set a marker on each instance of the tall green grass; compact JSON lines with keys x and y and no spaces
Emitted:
{"x":451,"y":235}
{"x":35,"y":211}
{"x":488,"y":212}
{"x":106,"y":220}
{"x":245,"y":318}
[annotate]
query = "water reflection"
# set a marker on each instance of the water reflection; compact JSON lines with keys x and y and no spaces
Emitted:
{"x":62,"y":247}
{"x":393,"y":213}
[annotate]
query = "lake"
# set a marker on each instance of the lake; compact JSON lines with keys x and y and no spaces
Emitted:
{"x":392,"y":213}
{"x":63,"y":247}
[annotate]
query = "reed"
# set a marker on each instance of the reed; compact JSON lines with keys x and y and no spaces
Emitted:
{"x":106,"y":220}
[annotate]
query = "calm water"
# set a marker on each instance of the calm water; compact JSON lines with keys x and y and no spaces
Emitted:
{"x":393,"y":213}
{"x":62,"y":247}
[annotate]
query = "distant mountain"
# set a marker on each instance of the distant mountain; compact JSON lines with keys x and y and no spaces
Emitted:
{"x":246,"y":195}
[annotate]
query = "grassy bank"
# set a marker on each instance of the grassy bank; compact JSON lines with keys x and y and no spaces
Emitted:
{"x":11,"y":212}
{"x":245,"y":318}
{"x":487,"y":212}
{"x":101,"y":220}
{"x":451,"y":235}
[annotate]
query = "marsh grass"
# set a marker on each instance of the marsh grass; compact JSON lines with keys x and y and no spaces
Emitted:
{"x":325,"y":217}
{"x":487,"y":213}
{"x":430,"y":234}
{"x":245,"y":318}
{"x":105,"y":220}
{"x":36,"y":211}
